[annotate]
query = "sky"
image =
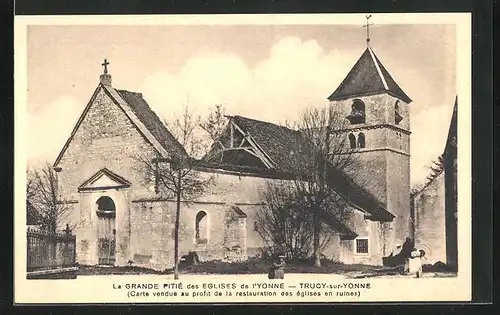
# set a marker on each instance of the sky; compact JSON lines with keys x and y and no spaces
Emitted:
{"x":267,"y":72}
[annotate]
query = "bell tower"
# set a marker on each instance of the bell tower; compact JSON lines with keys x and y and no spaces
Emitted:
{"x":375,"y":117}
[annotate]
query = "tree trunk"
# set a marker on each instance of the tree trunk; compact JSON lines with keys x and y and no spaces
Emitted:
{"x":176,"y":236}
{"x":316,"y":222}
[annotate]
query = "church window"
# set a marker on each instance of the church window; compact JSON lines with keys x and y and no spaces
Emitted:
{"x":397,"y":113}
{"x":361,"y":140}
{"x":201,"y":228}
{"x":357,"y":115}
{"x":361,"y":246}
{"x":106,"y":207}
{"x":352,"y":141}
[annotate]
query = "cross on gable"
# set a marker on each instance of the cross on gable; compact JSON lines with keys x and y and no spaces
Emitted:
{"x":105,"y":64}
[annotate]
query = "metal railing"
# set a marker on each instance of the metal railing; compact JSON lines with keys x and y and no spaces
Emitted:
{"x":50,"y":251}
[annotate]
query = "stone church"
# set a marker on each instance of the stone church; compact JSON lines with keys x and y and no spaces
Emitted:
{"x":127,"y":222}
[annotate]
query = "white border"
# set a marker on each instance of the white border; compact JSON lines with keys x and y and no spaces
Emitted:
{"x":383,"y":290}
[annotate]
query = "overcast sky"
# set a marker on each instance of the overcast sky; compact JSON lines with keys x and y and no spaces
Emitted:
{"x":259,"y":71}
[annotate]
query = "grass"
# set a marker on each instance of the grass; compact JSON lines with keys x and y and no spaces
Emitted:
{"x":250,"y":266}
{"x":260,"y":266}
{"x":84,"y":270}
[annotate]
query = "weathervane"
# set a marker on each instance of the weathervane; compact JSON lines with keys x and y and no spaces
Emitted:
{"x":368,"y":29}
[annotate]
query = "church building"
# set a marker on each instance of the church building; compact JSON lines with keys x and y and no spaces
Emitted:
{"x":124,"y":220}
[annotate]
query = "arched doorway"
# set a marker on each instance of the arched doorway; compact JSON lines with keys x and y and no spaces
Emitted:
{"x":201,"y":228}
{"x":106,"y":232}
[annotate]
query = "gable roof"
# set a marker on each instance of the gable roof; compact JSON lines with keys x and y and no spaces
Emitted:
{"x":119,"y":182}
{"x":368,"y":76}
{"x":280,"y":143}
{"x":140,"y":114}
{"x":149,"y":118}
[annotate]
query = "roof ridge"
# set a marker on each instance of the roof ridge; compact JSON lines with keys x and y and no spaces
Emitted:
{"x":266,"y":122}
{"x":372,"y":54}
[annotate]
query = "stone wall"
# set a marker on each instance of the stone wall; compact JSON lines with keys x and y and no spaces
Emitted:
{"x":429,"y":220}
{"x":106,"y":138}
{"x":398,"y":194}
{"x":379,"y":109}
{"x":385,"y":158}
{"x":375,"y":232}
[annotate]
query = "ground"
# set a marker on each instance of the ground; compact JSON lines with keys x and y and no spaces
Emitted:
{"x":260,"y":268}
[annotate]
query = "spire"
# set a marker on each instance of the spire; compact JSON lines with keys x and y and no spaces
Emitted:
{"x":368,"y":76}
{"x":105,"y":77}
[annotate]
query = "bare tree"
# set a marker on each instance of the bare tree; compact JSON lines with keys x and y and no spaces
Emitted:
{"x":42,"y":193}
{"x":285,"y":225}
{"x":178,"y":177}
{"x":321,"y":153}
{"x":215,"y":123}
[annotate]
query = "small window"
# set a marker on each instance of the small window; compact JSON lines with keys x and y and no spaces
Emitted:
{"x":362,"y":246}
{"x":397,"y":113}
{"x":352,"y":141}
{"x":361,"y":140}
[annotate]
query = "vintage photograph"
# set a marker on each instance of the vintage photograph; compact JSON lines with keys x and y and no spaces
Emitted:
{"x":259,"y":153}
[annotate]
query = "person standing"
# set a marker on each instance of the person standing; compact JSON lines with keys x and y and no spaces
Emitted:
{"x":278,"y":268}
{"x":415,"y":262}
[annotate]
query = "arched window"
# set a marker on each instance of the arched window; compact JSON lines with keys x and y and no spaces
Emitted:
{"x":106,"y":207}
{"x":357,"y":115}
{"x":397,"y":113}
{"x":201,"y":228}
{"x":361,"y":140}
{"x":352,"y":141}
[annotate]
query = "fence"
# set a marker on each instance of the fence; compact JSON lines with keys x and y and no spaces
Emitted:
{"x":51,"y":252}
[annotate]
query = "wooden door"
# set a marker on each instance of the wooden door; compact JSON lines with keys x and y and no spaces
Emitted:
{"x":106,"y":240}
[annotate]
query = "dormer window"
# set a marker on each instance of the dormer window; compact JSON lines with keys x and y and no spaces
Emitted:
{"x":357,"y":115}
{"x":397,"y":113}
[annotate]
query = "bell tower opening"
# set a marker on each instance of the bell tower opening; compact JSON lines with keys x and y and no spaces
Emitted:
{"x":357,"y":115}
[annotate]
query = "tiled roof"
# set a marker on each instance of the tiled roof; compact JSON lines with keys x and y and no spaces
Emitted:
{"x":278,"y":142}
{"x":291,"y":152}
{"x":368,"y":76}
{"x":152,"y":122}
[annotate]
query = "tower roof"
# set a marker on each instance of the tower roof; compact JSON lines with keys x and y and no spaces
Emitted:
{"x":368,"y":77}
